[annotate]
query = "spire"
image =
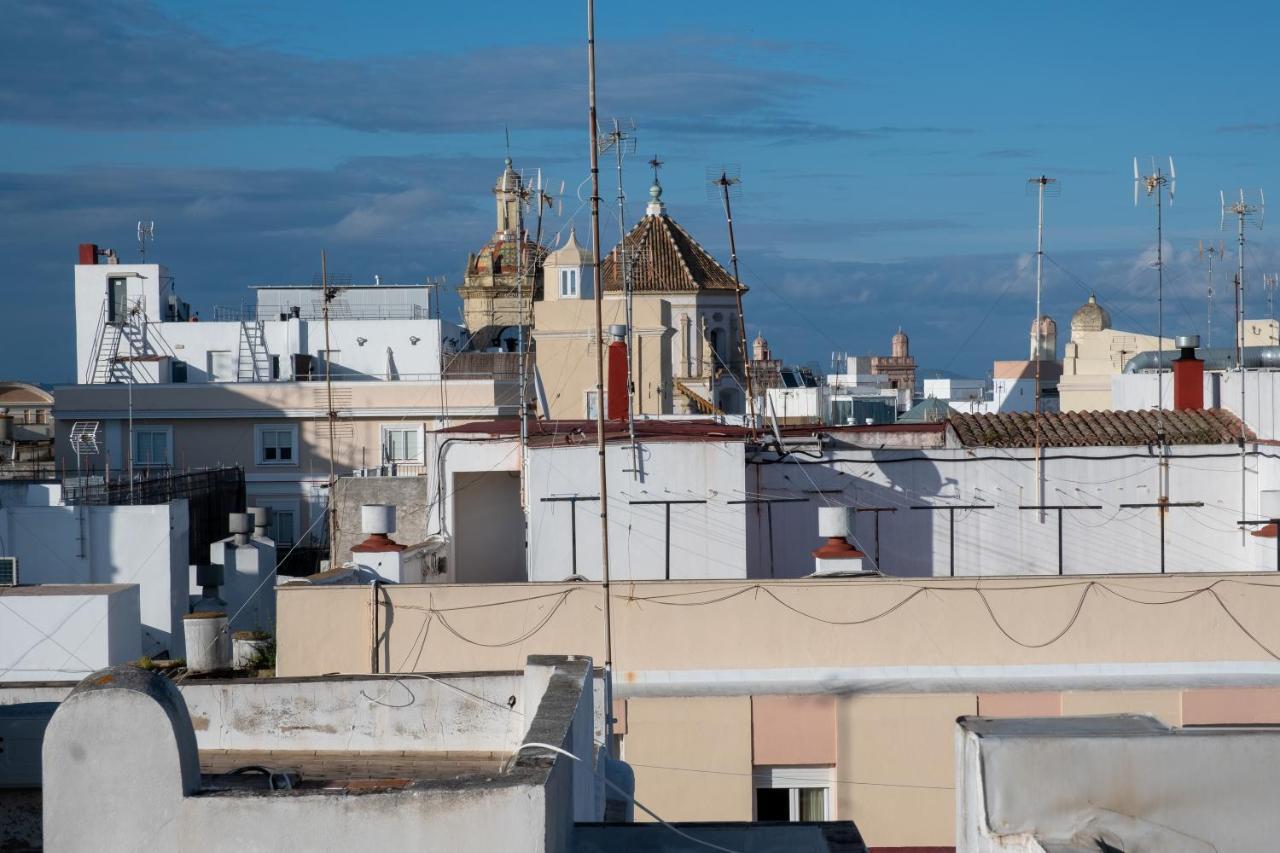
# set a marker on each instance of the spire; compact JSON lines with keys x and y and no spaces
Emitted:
{"x":655,"y":206}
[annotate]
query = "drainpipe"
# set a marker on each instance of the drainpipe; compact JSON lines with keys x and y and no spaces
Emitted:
{"x":373,"y":622}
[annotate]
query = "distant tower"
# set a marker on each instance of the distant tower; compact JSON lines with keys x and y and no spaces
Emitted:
{"x":901,"y":345}
{"x":1044,"y":339}
{"x":760,"y":348}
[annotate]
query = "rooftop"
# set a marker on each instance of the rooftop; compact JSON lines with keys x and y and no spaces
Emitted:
{"x":666,"y":260}
{"x":1097,"y":429}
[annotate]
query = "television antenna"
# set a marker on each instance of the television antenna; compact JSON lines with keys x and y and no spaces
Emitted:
{"x":1212,"y":252}
{"x":726,"y":183}
{"x":1243,"y":210}
{"x":146,"y":231}
{"x":84,"y":442}
{"x":1044,"y":186}
{"x":622,"y":141}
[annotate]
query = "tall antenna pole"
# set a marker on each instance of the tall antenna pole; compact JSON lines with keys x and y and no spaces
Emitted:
{"x":1211,"y":253}
{"x":725,"y":181}
{"x":1154,"y":185}
{"x":1241,"y":210}
{"x":622,"y":142}
{"x":1042,"y":183}
{"x":593,"y":129}
{"x":1269,"y":285}
{"x":327,"y":294}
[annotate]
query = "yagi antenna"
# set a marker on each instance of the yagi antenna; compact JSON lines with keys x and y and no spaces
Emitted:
{"x":146,"y":231}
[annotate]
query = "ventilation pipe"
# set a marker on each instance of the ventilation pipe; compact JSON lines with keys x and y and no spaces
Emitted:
{"x":261,"y":516}
{"x":209,"y":577}
{"x":208,"y":641}
{"x":1188,"y":375}
{"x":616,"y":396}
{"x":240,"y":524}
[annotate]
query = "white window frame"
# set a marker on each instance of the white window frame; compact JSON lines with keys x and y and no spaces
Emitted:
{"x":231,"y":365}
{"x":588,"y":404}
{"x":793,"y":779}
{"x":259,"y":443}
{"x":418,"y":433}
{"x":569,"y":284}
{"x":167,"y":432}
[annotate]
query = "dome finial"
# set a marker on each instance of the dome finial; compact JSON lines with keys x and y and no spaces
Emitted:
{"x":655,"y":206}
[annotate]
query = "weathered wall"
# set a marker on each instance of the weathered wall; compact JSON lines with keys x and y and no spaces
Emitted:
{"x":409,"y":495}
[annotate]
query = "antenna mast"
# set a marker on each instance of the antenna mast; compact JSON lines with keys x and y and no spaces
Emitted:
{"x":146,"y":231}
{"x":727,"y":179}
{"x":622,"y":141}
{"x":1211,"y":253}
{"x":1269,"y":285}
{"x":593,"y":131}
{"x":1241,"y":210}
{"x":1043,"y":185}
{"x":1154,"y":184}
{"x":327,"y":294}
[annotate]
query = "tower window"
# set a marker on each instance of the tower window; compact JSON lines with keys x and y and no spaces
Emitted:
{"x":569,"y":284}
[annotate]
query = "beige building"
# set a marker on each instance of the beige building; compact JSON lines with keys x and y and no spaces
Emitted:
{"x":688,"y":355}
{"x":841,"y":692}
{"x":1095,"y":353}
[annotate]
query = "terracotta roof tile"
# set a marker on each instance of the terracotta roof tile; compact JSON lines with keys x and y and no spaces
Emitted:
{"x":1092,"y":429}
{"x":667,"y":259}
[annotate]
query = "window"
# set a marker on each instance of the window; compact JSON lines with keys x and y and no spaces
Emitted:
{"x":178,"y":371}
{"x":152,"y":447}
{"x":276,"y":445}
{"x":592,"y":412}
{"x":284,"y":526}
{"x":401,"y":444}
{"x":793,"y":793}
{"x":222,"y":367}
{"x":275,"y":367}
{"x":569,"y":284}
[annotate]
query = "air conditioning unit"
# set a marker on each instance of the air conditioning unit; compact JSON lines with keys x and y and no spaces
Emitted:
{"x":8,"y":571}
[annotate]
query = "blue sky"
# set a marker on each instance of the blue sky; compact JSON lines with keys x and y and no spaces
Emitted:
{"x":884,"y":150}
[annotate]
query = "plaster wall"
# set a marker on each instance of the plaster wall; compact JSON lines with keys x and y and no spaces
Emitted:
{"x":706,"y":539}
{"x":143,"y":545}
{"x":1221,"y":390}
{"x":62,"y":633}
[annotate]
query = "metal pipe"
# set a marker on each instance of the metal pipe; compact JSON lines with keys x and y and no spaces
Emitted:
{"x":373,"y":621}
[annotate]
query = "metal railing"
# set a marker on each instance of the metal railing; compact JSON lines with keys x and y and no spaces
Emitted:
{"x":337,"y":311}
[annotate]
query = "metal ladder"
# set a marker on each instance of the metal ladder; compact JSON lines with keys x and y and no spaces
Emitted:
{"x":253,"y":363}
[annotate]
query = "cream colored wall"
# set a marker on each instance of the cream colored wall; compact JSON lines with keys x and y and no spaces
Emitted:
{"x":764,"y":624}
{"x":1091,"y":359}
{"x":682,"y":746}
{"x":894,"y":752}
{"x":896,"y":773}
{"x":564,"y":334}
{"x":1261,"y":333}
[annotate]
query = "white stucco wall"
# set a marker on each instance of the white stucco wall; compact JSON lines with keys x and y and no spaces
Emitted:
{"x":62,"y":633}
{"x":143,"y":545}
{"x":1132,"y":391}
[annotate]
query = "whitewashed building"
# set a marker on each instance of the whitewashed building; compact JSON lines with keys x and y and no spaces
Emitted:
{"x":160,"y":389}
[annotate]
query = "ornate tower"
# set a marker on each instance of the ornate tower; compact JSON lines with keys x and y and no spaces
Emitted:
{"x":491,"y":294}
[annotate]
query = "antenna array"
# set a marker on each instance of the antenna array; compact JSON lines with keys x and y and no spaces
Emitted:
{"x":146,"y":231}
{"x":1212,"y":253}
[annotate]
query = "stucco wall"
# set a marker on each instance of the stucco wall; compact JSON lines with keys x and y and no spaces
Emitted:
{"x":66,"y":632}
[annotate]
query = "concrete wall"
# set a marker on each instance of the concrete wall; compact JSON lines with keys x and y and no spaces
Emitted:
{"x":143,"y":545}
{"x":59,"y":633}
{"x":1128,"y":782}
{"x":411,"y":497}
{"x":136,"y":750}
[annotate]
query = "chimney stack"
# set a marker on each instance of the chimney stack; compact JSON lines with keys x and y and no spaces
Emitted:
{"x":261,"y":516}
{"x":836,"y":554}
{"x":377,"y":520}
{"x":1188,"y":375}
{"x":616,"y":396}
{"x":89,"y":254}
{"x":240,"y":525}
